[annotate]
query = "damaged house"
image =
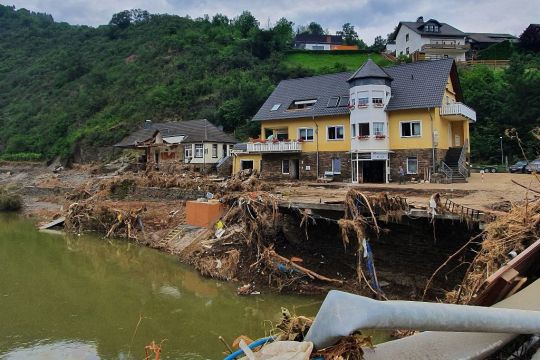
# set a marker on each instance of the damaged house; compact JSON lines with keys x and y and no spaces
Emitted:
{"x":362,"y":126}
{"x":195,"y":142}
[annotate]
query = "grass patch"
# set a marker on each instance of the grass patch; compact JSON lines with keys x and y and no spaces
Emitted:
{"x":327,"y":63}
{"x":10,"y":200}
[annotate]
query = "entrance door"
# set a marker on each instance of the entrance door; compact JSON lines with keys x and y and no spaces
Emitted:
{"x":354,"y":172}
{"x":224,"y":150}
{"x":156,"y":156}
{"x":374,"y":171}
{"x":295,"y":169}
{"x":457,"y":140}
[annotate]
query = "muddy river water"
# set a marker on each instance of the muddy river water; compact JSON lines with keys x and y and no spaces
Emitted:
{"x":81,"y":297}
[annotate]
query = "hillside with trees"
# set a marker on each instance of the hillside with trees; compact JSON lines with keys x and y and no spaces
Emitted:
{"x":65,"y":86}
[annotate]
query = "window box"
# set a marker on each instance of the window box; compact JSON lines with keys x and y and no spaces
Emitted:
{"x":378,"y":105}
{"x":380,"y":137}
{"x":362,"y":137}
{"x":363,"y":106}
{"x":275,"y":140}
{"x":301,"y":140}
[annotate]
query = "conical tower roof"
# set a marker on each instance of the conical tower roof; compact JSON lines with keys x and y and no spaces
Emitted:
{"x":370,"y":70}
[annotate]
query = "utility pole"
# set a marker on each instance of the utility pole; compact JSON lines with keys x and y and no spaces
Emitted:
{"x":502,"y":153}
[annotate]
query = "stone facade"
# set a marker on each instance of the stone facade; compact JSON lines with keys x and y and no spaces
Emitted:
{"x":399,"y":158}
{"x":307,"y":166}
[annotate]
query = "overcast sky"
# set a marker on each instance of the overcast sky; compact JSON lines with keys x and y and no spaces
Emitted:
{"x":370,"y":17}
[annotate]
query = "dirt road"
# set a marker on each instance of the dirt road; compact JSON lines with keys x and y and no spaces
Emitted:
{"x":480,"y":192}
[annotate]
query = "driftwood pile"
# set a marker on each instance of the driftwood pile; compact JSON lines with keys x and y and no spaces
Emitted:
{"x":89,"y":216}
{"x":252,"y":223}
{"x":361,"y":220}
{"x":511,"y":232}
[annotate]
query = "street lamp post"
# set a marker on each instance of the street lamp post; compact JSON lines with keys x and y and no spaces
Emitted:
{"x":502,"y":153}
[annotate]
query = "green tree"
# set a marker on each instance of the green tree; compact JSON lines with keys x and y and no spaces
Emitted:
{"x":315,"y":28}
{"x":378,"y":45}
{"x":350,"y":36}
{"x":245,"y":23}
{"x":283,"y":33}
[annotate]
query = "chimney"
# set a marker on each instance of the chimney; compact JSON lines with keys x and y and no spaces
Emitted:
{"x":420,"y":19}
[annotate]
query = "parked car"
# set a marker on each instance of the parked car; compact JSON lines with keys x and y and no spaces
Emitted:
{"x":489,"y":169}
{"x":518,"y":167}
{"x":533,"y":166}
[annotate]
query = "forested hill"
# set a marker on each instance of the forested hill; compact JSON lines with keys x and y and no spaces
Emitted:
{"x":63,"y":84}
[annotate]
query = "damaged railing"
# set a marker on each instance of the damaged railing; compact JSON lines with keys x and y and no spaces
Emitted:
{"x":461,"y":210}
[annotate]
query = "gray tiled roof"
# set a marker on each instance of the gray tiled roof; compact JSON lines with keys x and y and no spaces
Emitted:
{"x":415,"y":85}
{"x":444,"y":29}
{"x":321,"y":88}
{"x":193,"y":130}
{"x":370,"y":70}
{"x":419,"y":84}
{"x":490,"y":37}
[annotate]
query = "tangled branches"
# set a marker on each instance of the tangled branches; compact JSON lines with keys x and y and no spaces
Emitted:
{"x":514,"y":231}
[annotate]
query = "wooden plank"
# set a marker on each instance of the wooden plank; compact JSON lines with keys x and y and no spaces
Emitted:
{"x":56,"y":222}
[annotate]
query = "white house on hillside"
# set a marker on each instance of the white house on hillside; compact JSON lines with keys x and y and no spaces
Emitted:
{"x":430,"y":40}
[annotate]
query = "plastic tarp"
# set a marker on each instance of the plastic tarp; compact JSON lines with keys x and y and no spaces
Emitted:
{"x":280,"y":350}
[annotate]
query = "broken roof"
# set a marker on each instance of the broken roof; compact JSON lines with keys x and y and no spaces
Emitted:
{"x":415,"y":85}
{"x":192,"y":131}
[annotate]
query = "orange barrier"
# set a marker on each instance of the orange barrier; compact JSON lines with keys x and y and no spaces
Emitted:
{"x":203,"y":214}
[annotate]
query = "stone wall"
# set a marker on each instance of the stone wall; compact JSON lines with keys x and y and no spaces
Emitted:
{"x":272,"y":165}
{"x":399,"y":158}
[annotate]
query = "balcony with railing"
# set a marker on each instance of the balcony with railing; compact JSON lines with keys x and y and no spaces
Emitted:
{"x":458,"y":111}
{"x":274,"y":147}
{"x":461,"y":47}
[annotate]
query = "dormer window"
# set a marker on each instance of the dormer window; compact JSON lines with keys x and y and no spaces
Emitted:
{"x":343,"y":101}
{"x":302,"y":104}
{"x":333,"y":102}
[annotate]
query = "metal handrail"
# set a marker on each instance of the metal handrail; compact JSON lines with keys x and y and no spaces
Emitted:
{"x":446,"y":170}
{"x":462,"y":168}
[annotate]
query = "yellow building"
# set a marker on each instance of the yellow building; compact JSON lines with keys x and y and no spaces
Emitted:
{"x":363,"y":127}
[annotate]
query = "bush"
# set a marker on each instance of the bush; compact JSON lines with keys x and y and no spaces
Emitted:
{"x":10,"y":200}
{"x":22,"y":157}
{"x":501,"y":51}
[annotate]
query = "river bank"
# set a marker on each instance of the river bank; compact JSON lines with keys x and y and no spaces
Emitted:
{"x":406,"y":253}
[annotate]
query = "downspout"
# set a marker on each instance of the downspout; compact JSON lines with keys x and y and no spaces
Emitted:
{"x":432,"y":141}
{"x":317,"y":143}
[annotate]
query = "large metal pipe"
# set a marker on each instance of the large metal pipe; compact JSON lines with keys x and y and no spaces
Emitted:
{"x":342,"y":313}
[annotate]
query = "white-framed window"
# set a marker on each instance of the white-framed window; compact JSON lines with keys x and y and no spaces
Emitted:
{"x":214,"y":150}
{"x":411,"y":128}
{"x":378,"y":128}
{"x":353,"y":130}
{"x":363,"y":129}
{"x":363,"y":98}
{"x":412,"y":165}
{"x":305,"y":134}
{"x":198,"y":150}
{"x":377,"y":98}
{"x":275,"y":107}
{"x":407,"y":37}
{"x":285,"y":166}
{"x":188,"y":152}
{"x":336,"y":165}
{"x":335,"y":132}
